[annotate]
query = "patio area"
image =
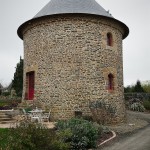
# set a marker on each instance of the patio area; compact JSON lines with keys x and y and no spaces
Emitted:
{"x":11,"y":118}
{"x":49,"y":125}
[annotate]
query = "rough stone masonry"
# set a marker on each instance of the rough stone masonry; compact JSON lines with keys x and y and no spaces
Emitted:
{"x":71,"y":59}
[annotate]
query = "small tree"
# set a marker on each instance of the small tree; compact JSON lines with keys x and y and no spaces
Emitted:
{"x":17,"y":83}
{"x":146,"y":86}
{"x":138,"y":87}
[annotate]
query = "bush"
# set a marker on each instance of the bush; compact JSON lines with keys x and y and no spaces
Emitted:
{"x":6,"y":93}
{"x":83,"y":133}
{"x":146,"y":104}
{"x":137,"y":107}
{"x":32,"y":136}
{"x":8,"y":104}
{"x":29,"y":136}
{"x":102,"y":112}
{"x":62,"y":141}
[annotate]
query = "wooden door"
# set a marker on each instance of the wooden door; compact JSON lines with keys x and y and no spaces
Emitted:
{"x":30,"y":85}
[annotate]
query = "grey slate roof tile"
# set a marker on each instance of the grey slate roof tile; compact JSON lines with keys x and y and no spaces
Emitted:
{"x":55,"y":7}
{"x":73,"y":6}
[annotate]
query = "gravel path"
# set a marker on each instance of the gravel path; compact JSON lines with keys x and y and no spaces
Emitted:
{"x":132,"y":135}
{"x":138,"y":141}
{"x":135,"y":120}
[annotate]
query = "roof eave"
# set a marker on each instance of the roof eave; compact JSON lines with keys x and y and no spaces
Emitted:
{"x":21,"y":27}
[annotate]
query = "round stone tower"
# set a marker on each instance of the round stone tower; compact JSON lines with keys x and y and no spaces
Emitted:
{"x":73,"y":56}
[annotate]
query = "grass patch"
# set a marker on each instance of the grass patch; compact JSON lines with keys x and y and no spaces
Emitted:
{"x":4,"y":133}
{"x":3,"y":103}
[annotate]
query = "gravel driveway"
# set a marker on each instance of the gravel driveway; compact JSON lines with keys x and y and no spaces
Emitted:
{"x":133,"y":135}
{"x":138,"y":141}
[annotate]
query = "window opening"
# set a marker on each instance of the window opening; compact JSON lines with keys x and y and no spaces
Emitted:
{"x":110,"y":82}
{"x":109,"y":39}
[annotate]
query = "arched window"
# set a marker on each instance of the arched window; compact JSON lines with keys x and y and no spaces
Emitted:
{"x":109,"y":39}
{"x":110,"y":82}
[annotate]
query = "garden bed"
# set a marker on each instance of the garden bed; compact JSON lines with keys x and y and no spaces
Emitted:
{"x":104,"y":137}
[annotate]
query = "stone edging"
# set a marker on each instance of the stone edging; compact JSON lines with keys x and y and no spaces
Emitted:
{"x":114,"y":135}
{"x":6,"y":110}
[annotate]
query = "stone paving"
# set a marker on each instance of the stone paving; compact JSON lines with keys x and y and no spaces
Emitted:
{"x":10,"y":125}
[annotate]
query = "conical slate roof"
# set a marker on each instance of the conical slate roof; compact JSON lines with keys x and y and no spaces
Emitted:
{"x":72,"y":6}
{"x":56,"y":7}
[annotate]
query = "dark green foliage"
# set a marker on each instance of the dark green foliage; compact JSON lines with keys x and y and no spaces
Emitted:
{"x":146,"y":104}
{"x":28,"y":109}
{"x":128,"y":89}
{"x":29,"y":137}
{"x":88,"y":118}
{"x":62,"y":141}
{"x":5,"y":93}
{"x":74,"y":134}
{"x":17,"y":83}
{"x":8,"y":104}
{"x":32,"y":136}
{"x":138,"y":88}
{"x":83,"y":133}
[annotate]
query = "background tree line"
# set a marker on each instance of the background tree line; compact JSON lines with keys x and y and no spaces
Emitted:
{"x":138,"y":87}
{"x":17,"y":82}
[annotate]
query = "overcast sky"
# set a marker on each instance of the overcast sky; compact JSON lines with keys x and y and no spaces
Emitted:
{"x":136,"y":47}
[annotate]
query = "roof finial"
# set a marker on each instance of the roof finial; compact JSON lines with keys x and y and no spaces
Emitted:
{"x":109,"y":12}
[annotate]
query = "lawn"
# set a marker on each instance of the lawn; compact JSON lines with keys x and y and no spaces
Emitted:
{"x":3,"y":137}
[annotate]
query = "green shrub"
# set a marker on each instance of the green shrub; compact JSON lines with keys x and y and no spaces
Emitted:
{"x":146,"y":104}
{"x":62,"y":141}
{"x":84,"y":133}
{"x":32,"y":136}
{"x":28,"y":109}
{"x":9,"y":104}
{"x":137,"y":107}
{"x":6,"y":93}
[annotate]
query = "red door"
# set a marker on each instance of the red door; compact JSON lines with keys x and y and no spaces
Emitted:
{"x":30,"y":86}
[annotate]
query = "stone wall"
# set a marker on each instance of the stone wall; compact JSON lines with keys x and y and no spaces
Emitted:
{"x":71,"y":61}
